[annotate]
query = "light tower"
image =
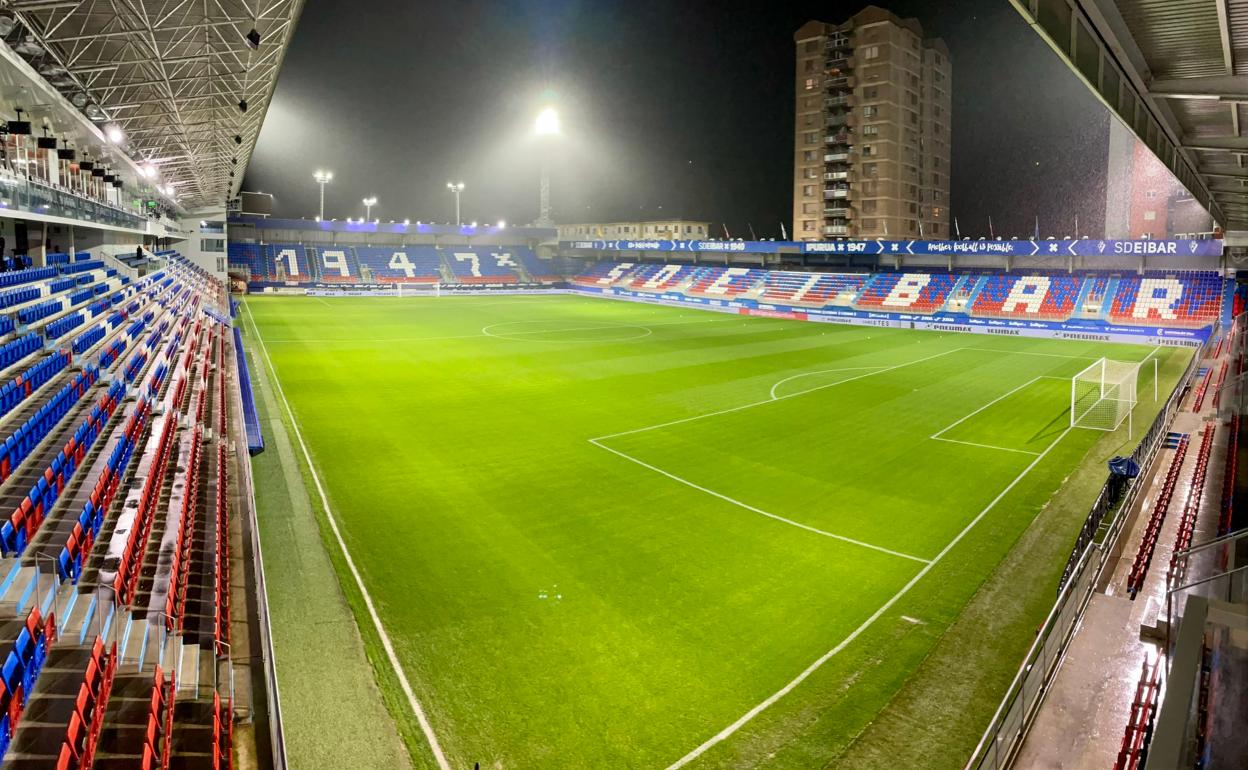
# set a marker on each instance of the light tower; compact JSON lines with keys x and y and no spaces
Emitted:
{"x":546,"y":127}
{"x":457,"y":188}
{"x":369,"y":202}
{"x":323,"y":178}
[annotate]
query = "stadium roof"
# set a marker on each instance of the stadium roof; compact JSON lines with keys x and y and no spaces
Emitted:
{"x":1176,"y":72}
{"x":170,"y":73}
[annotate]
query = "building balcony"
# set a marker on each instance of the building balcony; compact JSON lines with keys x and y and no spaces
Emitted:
{"x":838,"y":43}
{"x":836,"y":229}
{"x":836,"y":176}
{"x":838,"y":212}
{"x":842,"y":100}
{"x":18,"y":193}
{"x":837,"y":193}
{"x":840,"y":64}
{"x":836,"y":157}
{"x":841,"y":137}
{"x":843,"y":83}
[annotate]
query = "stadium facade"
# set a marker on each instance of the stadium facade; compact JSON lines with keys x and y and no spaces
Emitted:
{"x":872,"y":131}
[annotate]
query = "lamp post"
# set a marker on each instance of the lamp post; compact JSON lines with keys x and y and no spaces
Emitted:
{"x":323,"y":178}
{"x":546,"y":126}
{"x":457,"y":188}
{"x":369,"y":202}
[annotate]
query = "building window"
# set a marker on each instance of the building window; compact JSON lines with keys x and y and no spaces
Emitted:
{"x":810,"y":83}
{"x":870,"y":112}
{"x":808,"y":189}
{"x":870,"y":130}
{"x":866,"y":150}
{"x":812,"y":137}
{"x":808,"y":225}
{"x":811,"y":173}
{"x":810,"y":208}
{"x":810,"y":156}
{"x":869,"y":169}
{"x":871,"y":93}
{"x":869,"y":225}
{"x":868,"y":206}
{"x":871,"y":52}
{"x":810,"y":65}
{"x":1149,"y":216}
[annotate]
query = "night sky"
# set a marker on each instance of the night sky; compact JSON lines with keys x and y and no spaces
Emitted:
{"x":668,"y":108}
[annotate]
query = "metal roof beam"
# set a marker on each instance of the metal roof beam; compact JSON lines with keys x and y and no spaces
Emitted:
{"x":1230,"y":88}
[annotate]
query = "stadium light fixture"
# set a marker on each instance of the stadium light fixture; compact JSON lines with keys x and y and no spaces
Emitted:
{"x":547,"y":123}
{"x":502,"y":223}
{"x":457,"y":188}
{"x":115,"y":134}
{"x":368,"y":202}
{"x":406,"y":222}
{"x":323,"y":178}
{"x":474,"y":223}
{"x":147,"y":170}
{"x":546,"y":126}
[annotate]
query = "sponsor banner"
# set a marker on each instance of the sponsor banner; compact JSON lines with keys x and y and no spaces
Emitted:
{"x":1073,"y":248}
{"x":1085,"y":330}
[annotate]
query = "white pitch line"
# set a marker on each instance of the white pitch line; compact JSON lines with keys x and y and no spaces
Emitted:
{"x":984,"y":446}
{"x":759,"y":511}
{"x":1031,"y":353}
{"x":770,"y":400}
{"x":820,"y":371}
{"x":813,"y":667}
{"x":393,"y":657}
{"x":982,"y":408}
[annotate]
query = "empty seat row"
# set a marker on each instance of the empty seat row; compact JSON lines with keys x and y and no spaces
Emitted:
{"x":26,"y":276}
{"x":142,"y":501}
{"x":15,"y":350}
{"x":1187,"y":523}
{"x":175,"y":599}
{"x":1144,"y":554}
{"x":62,"y":326}
{"x":30,"y":380}
{"x":28,"y":517}
{"x":24,"y":294}
{"x":22,"y":667}
{"x":27,"y":436}
{"x":85,"y":341}
{"x":158,"y":736}
{"x":83,"y":730}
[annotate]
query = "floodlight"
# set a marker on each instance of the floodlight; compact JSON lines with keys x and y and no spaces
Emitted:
{"x":114,"y":134}
{"x":501,"y":224}
{"x":547,"y":122}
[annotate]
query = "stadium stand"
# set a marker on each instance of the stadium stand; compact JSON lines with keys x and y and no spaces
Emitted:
{"x":101,"y":434}
{"x":911,"y":292}
{"x":482,"y":264}
{"x":1050,"y":298}
{"x":410,"y":264}
{"x":1185,"y":298}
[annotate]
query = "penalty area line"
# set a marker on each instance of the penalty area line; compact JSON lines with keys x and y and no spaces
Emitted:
{"x":391,"y":655}
{"x":759,"y":511}
{"x":728,"y":731}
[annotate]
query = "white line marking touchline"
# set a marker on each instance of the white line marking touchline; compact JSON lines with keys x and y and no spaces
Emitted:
{"x":813,"y":667}
{"x":419,"y":711}
{"x":759,"y":511}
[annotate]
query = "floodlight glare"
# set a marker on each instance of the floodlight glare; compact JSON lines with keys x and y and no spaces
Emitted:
{"x":114,"y":134}
{"x":501,"y":224}
{"x":547,"y":122}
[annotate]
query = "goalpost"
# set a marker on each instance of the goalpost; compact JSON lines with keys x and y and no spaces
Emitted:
{"x":1105,"y":394}
{"x":402,"y":289}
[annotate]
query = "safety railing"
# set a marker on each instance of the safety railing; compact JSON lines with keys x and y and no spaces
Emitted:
{"x":1007,"y":729}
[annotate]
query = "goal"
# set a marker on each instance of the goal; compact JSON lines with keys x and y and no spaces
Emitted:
{"x":1104,"y":394}
{"x":417,"y":289}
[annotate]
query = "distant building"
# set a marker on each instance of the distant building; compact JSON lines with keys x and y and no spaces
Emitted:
{"x":872,"y":134}
{"x":1142,"y":198}
{"x":664,"y":229}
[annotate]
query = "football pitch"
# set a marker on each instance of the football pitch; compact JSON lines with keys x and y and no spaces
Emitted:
{"x":600,"y":534}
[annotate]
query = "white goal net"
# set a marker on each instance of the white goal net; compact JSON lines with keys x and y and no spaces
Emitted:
{"x":1103,"y":395}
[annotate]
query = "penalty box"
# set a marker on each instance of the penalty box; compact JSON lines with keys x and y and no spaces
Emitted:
{"x":857,"y":459}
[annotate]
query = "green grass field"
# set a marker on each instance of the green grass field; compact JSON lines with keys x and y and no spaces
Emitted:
{"x":603,"y":534}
